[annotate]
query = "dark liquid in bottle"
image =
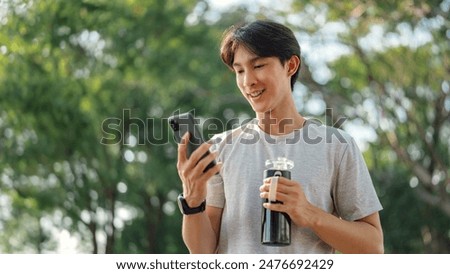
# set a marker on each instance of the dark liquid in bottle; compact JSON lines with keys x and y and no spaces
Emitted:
{"x":275,"y":226}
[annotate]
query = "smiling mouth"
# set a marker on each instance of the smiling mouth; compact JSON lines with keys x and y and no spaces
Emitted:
{"x":256,"y":93}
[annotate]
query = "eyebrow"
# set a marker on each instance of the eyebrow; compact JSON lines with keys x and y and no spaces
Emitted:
{"x":253,"y":60}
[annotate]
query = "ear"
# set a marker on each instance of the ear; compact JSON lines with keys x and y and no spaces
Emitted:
{"x":293,"y":64}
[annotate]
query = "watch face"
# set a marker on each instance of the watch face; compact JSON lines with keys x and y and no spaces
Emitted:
{"x":180,"y":206}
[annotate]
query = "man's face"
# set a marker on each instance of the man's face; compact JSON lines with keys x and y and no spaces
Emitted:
{"x":263,"y":81}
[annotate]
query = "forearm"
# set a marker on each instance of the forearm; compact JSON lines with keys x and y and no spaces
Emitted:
{"x":364,"y":236}
{"x":198,"y":234}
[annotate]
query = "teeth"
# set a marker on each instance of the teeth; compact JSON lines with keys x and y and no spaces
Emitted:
{"x":256,"y":94}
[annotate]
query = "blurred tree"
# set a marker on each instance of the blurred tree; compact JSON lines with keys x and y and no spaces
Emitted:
{"x":391,"y":72}
{"x":85,"y":86}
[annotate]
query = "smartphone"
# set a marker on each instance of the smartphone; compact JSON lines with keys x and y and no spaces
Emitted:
{"x":182,"y":123}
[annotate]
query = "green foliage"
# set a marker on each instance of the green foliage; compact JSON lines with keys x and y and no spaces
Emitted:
{"x":397,"y":83}
{"x":71,"y":67}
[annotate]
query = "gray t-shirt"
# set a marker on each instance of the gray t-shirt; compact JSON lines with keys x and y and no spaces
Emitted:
{"x":327,"y":164}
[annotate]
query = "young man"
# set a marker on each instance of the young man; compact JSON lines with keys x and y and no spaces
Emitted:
{"x":330,"y":198}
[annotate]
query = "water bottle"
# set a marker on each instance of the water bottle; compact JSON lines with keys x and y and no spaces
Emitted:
{"x":276,"y":226}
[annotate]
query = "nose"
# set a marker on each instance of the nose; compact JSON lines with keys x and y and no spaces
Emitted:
{"x":249,"y":79}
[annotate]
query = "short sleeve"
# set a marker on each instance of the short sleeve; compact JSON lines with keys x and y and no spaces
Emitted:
{"x":354,"y":194}
{"x":216,"y":195}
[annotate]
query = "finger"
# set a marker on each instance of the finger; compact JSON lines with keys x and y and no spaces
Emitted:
{"x":207,"y":160}
{"x":279,"y":197}
{"x":204,"y":162}
{"x":265,"y":187}
{"x":267,"y":182}
{"x":274,"y":207}
{"x":195,"y":157}
{"x":264,"y":195}
{"x":182,"y":147}
{"x":287,"y":182}
{"x":282,"y":188}
{"x":198,"y":153}
{"x":284,"y":185}
{"x":212,"y":171}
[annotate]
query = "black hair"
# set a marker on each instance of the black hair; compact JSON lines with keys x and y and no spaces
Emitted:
{"x":265,"y":39}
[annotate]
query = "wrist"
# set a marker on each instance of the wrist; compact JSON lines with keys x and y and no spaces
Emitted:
{"x":313,"y":219}
{"x":308,"y":216}
{"x":189,"y":209}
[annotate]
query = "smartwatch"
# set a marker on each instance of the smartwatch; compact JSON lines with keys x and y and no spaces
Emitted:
{"x":186,"y":209}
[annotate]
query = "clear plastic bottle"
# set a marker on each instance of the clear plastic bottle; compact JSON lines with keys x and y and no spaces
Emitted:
{"x":276,"y":226}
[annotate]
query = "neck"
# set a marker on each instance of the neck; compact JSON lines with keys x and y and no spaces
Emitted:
{"x":276,"y":123}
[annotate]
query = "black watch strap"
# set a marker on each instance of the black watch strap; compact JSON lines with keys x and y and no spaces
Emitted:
{"x":186,"y":209}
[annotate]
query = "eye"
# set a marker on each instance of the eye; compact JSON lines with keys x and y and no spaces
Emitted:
{"x":259,"y":66}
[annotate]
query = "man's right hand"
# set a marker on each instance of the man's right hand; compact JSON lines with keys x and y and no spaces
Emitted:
{"x":191,"y":170}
